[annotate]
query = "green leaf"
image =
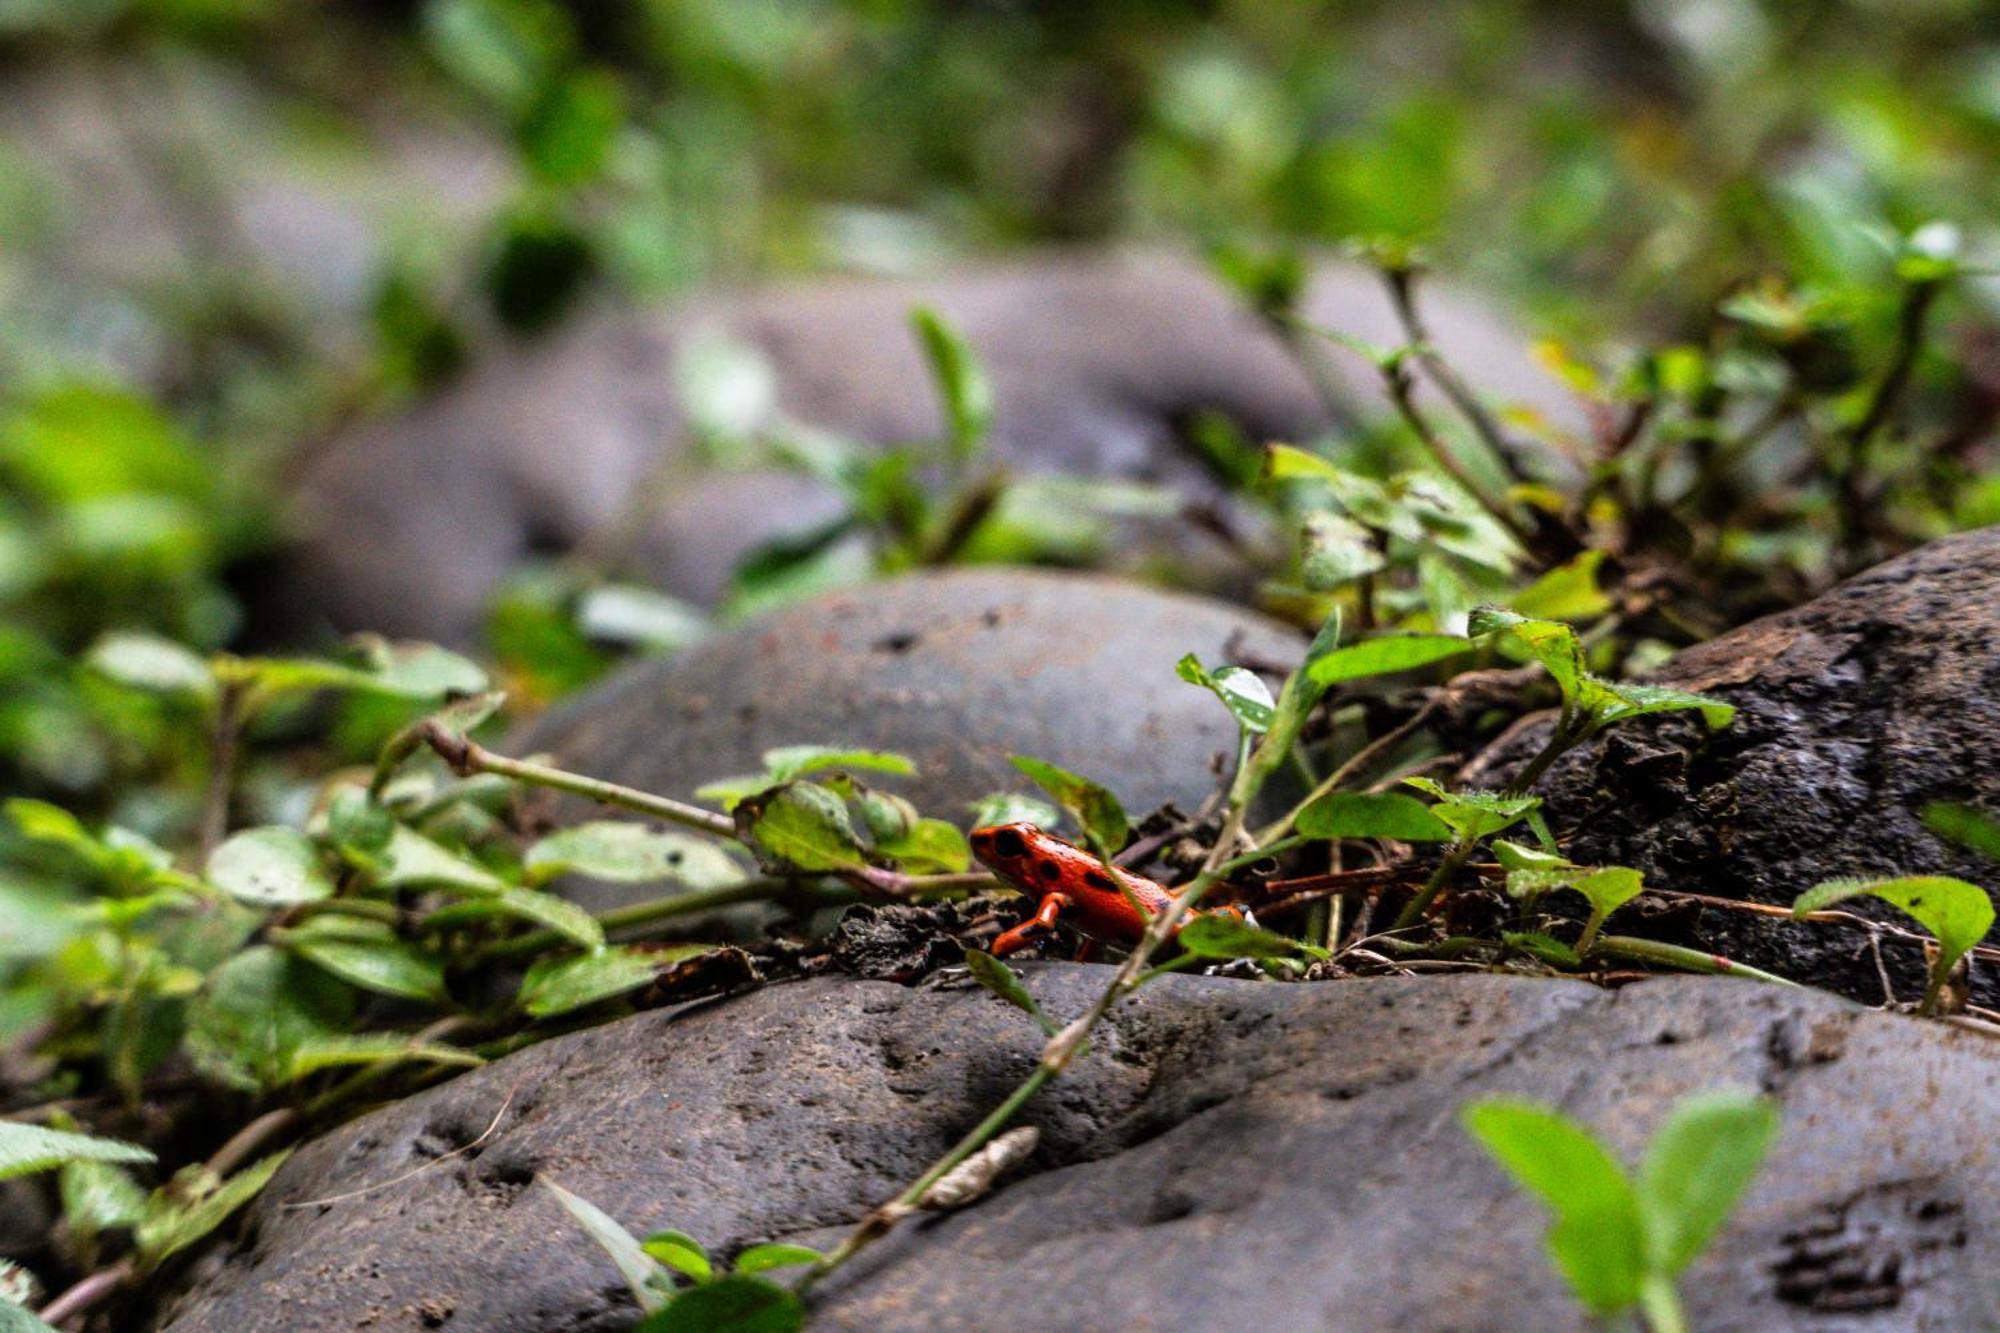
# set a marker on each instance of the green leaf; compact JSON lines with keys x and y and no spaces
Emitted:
{"x":804,"y":826}
{"x":796,"y":761}
{"x":1226,"y":935}
{"x":380,"y":963}
{"x":634,"y":1264}
{"x":733,"y":1304}
{"x":1517,"y":856}
{"x":1355,"y":814}
{"x":559,"y":985}
{"x":761,"y":1258}
{"x":25,"y":1149}
{"x":255,"y":1011}
{"x":1092,"y":806}
{"x":623,"y":852}
{"x":98,"y":1197}
{"x":1242,"y":691}
{"x":1606,"y":702}
{"x":1957,"y":913}
{"x":1966,"y":826}
{"x":1007,"y":807}
{"x":149,"y":662}
{"x":1334,"y":551}
{"x":317,"y":1053}
{"x":270,"y":867}
{"x":174,"y":1221}
{"x":1567,"y":592}
{"x":1697,"y":1167}
{"x":1003,"y":981}
{"x":544,"y":909}
{"x":1598,"y":1240}
{"x":568,"y":132}
{"x":680,"y":1252}
{"x":967,"y":393}
{"x":1473,"y":814}
{"x":932,"y":846}
{"x":623,"y":614}
{"x":1386,"y":655}
{"x":1549,"y":642}
{"x":412,"y":861}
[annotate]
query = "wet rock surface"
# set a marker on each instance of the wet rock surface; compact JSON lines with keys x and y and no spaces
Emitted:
{"x":1229,"y":1155}
{"x":1855,"y":711}
{"x":1098,"y":362}
{"x":957,"y":670}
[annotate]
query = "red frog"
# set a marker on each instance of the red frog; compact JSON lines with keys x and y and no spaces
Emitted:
{"x":1067,"y":879}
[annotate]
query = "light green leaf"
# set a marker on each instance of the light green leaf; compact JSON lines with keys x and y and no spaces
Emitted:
{"x":1007,"y":807}
{"x":175,"y":1221}
{"x":255,"y":1011}
{"x":1567,"y":592}
{"x":1004,"y":982}
{"x":802,"y":825}
{"x":1091,"y":805}
{"x":1386,"y":655}
{"x":98,"y":1197}
{"x":317,"y":1053}
{"x":1334,"y":551}
{"x":1226,"y":935}
{"x":1697,"y":1167}
{"x":797,"y":761}
{"x":1518,"y":856}
{"x":967,"y":393}
{"x":641,"y":1273}
{"x":376,"y":962}
{"x":760,"y":1258}
{"x":1242,"y":691}
{"x":680,"y":1252}
{"x":625,"y":852}
{"x":1957,"y":913}
{"x":1966,"y":826}
{"x":1473,"y":814}
{"x":1353,"y":814}
{"x":734,"y":1304}
{"x":412,"y":861}
{"x":26,"y":1149}
{"x":1598,"y":1240}
{"x":932,"y":846}
{"x":270,"y":867}
{"x":559,"y":985}
{"x":1606,"y":702}
{"x":1549,"y":642}
{"x":149,"y":662}
{"x":544,"y":909}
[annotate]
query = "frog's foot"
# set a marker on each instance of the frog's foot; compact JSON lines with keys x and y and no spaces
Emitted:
{"x":1043,"y":921}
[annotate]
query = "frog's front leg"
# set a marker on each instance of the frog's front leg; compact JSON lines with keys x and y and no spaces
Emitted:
{"x":1043,"y":921}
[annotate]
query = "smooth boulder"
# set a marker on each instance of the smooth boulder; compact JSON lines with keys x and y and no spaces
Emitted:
{"x":1229,"y":1155}
{"x":1854,"y":712}
{"x":1097,"y":361}
{"x":956,"y":670}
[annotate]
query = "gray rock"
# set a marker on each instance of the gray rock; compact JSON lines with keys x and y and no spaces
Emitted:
{"x":1856,"y":710}
{"x":958,"y":670}
{"x":1096,"y":362}
{"x":1230,"y":1155}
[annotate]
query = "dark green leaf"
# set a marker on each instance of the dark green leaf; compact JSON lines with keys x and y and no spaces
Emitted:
{"x":1092,"y":806}
{"x":254,"y":1012}
{"x":733,"y":1304}
{"x":1003,"y":981}
{"x":804,"y":826}
{"x":1226,"y":935}
{"x":1353,"y":814}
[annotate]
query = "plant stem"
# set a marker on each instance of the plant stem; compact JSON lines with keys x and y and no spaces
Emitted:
{"x":1849,"y":503}
{"x":1682,"y":959}
{"x":1402,"y":293}
{"x":86,"y":1294}
{"x":1402,"y":392}
{"x":1414,"y":911}
{"x":222,"y":745}
{"x":468,"y":757}
{"x":1661,"y":1304}
{"x":877,"y":1223}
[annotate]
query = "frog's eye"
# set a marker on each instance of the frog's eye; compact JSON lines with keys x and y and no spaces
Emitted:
{"x":1008,"y":842}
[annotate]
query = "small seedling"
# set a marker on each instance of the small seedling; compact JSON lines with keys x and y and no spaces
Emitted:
{"x":1621,"y":1241}
{"x":1956,"y":913}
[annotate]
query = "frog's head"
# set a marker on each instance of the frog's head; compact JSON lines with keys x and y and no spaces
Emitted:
{"x":1004,"y":847}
